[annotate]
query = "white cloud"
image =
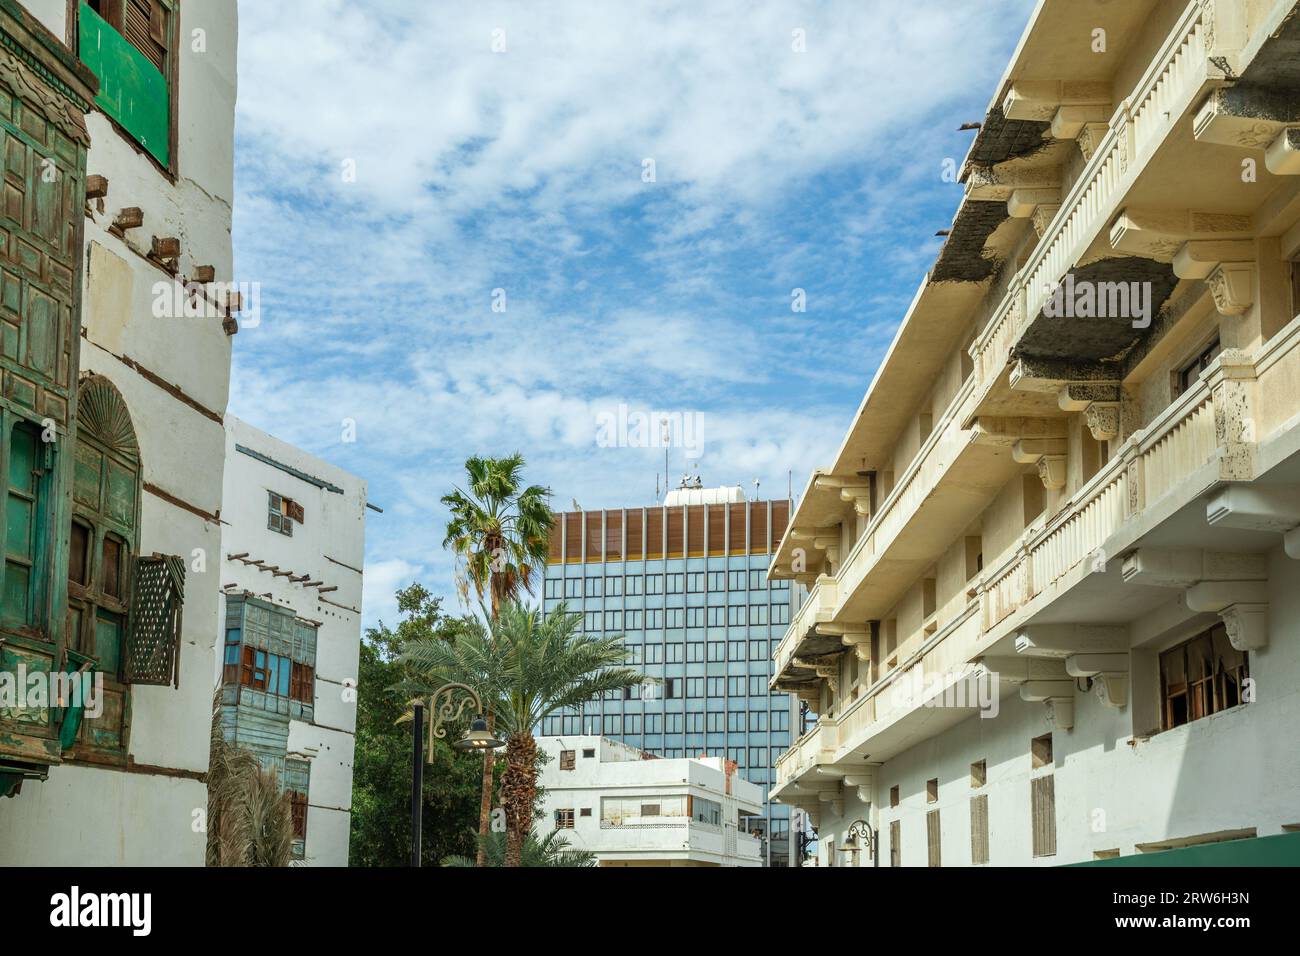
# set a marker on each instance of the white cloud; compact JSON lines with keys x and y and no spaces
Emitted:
{"x":522,"y":170}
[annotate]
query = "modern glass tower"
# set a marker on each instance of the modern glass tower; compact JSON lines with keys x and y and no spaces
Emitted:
{"x":685,"y":583}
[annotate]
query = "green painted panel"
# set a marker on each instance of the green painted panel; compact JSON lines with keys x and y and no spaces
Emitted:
{"x":108,"y":642}
{"x":22,"y":459}
{"x":108,"y":730}
{"x":88,"y":469}
{"x":120,"y":505}
{"x":12,"y":661}
{"x":18,"y":528}
{"x":42,"y":331}
{"x":11,"y":293}
{"x":1279,"y":850}
{"x":17,"y":594}
{"x":131,"y":89}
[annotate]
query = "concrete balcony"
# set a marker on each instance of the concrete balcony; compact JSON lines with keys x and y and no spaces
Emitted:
{"x":1192,"y":501}
{"x":815,"y":748}
{"x":679,"y":842}
{"x":1119,"y":225}
{"x":803,"y":642}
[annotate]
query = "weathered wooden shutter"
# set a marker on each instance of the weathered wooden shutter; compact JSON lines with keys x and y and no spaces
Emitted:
{"x":294,"y":511}
{"x":153,"y":640}
{"x":144,"y":24}
{"x":979,"y":829}
{"x":932,"y":837}
{"x":1042,"y":797}
{"x":895,"y":843}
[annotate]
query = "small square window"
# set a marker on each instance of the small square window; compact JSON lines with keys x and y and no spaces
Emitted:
{"x":979,"y":773}
{"x":1040,"y":750}
{"x":585,"y":812}
{"x":588,"y":753}
{"x":932,"y":790}
{"x":566,"y":759}
{"x":893,"y":795}
{"x":277,"y":517}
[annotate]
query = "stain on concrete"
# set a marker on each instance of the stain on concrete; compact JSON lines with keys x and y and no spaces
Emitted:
{"x":962,"y":258}
{"x":1101,"y":338}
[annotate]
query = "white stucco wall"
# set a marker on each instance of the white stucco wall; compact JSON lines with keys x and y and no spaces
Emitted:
{"x":1235,"y":770}
{"x":330,"y":546}
{"x":617,"y":770}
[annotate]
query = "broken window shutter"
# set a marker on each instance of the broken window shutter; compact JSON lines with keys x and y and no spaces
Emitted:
{"x":294,"y":511}
{"x":153,"y":641}
{"x":144,"y":24}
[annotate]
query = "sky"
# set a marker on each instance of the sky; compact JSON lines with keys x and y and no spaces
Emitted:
{"x":483,"y":227}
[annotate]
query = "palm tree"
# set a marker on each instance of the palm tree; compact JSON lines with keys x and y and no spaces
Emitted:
{"x":551,"y":850}
{"x":499,"y":534}
{"x":250,"y":822}
{"x":539,"y":666}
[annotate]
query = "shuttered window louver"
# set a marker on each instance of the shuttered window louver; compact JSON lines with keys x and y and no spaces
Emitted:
{"x":717,"y":530}
{"x":896,"y":843}
{"x":144,"y":24}
{"x":933,"y":838}
{"x":695,"y":531}
{"x":1043,"y":812}
{"x":979,"y":829}
{"x":654,"y":533}
{"x":635,"y":531}
{"x":758,"y":528}
{"x":676,"y":532}
{"x":153,"y":641}
{"x":613,"y":536}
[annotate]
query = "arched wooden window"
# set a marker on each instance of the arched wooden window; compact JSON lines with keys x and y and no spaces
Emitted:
{"x":105,"y":538}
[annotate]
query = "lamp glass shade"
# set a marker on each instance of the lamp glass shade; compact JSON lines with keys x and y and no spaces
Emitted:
{"x":478,"y":738}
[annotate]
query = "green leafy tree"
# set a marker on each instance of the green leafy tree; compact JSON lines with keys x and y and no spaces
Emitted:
{"x":499,"y":531}
{"x":527,"y":667}
{"x":381,"y":790}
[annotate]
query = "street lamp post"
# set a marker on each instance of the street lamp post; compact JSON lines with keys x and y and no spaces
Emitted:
{"x":443,"y":708}
{"x":860,"y":831}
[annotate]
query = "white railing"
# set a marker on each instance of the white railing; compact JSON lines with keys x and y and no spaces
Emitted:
{"x":815,"y":747}
{"x":1139,"y":126}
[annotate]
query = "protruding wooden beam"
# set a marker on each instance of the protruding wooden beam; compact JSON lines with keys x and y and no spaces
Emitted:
{"x":132,"y":217}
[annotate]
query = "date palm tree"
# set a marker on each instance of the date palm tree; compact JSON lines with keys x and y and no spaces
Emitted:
{"x":499,"y":531}
{"x":530,"y":668}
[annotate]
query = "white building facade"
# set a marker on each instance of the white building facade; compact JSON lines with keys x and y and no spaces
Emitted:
{"x":632,"y":809}
{"x":119,"y":133}
{"x":291,"y":581}
{"x":1050,"y":583}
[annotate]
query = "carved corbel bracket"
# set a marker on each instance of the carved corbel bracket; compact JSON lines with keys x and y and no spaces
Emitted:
{"x":1233,"y":286}
{"x":1103,"y":420}
{"x":1109,"y":673}
{"x":1247,"y":625}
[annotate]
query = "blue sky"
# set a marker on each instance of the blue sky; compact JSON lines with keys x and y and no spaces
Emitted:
{"x":393,"y":169}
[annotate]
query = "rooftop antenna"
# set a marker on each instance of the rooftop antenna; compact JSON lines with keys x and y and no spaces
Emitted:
{"x":757,"y":484}
{"x":665,"y":438}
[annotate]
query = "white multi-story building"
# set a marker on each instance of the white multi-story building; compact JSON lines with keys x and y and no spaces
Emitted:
{"x":118,"y":129}
{"x":1051,"y":584}
{"x":290,"y":635}
{"x":632,"y":809}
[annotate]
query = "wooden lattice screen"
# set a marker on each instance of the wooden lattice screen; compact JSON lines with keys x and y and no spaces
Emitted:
{"x":153,"y":643}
